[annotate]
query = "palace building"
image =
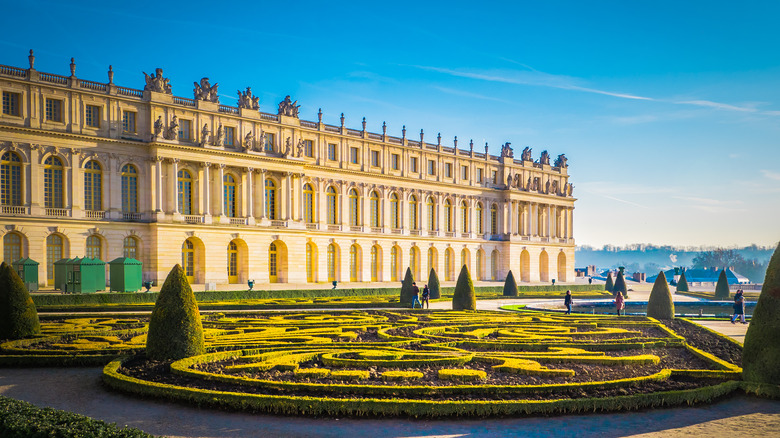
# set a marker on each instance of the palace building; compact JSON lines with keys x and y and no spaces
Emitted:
{"x":234,"y":193}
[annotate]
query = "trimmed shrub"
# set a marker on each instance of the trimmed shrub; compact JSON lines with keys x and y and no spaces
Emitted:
{"x":761,"y":354}
{"x":433,"y":285}
{"x":660,"y":304}
{"x":510,"y":285}
{"x":18,"y":315}
{"x":722,"y":288}
{"x":406,"y":288}
{"x":620,"y":285}
{"x":682,"y":285}
{"x":175,"y":330}
{"x":609,"y":286}
{"x":464,"y":297}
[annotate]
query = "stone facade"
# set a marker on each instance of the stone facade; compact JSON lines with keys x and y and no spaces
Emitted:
{"x":234,"y":193}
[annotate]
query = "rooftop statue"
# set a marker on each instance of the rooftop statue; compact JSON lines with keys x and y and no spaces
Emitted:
{"x":527,"y":154}
{"x":206,"y":91}
{"x":545,"y":158}
{"x":249,"y":141}
{"x":506,"y":151}
{"x":561,"y":161}
{"x":204,"y":134}
{"x":158,"y":126}
{"x":157,"y":82}
{"x":219,"y":137}
{"x":288,"y":108}
{"x":246,"y":100}
{"x":173,"y":129}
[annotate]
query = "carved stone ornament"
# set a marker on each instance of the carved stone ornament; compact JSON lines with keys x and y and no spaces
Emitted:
{"x":561,"y":161}
{"x":527,"y":154}
{"x":173,"y":129}
{"x":247,"y":100}
{"x":158,"y":127}
{"x":205,"y":91}
{"x":157,"y":82}
{"x":288,"y":108}
{"x":545,"y":158}
{"x":299,"y":148}
{"x":204,"y":135}
{"x":219,"y":137}
{"x":506,"y":151}
{"x":249,"y":141}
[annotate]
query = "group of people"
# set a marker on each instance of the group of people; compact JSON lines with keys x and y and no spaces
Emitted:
{"x":620,"y":302}
{"x":426,"y":295}
{"x":739,"y":307}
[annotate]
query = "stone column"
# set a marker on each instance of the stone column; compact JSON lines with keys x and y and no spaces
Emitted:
{"x":158,"y":192}
{"x":173,"y":185}
{"x":206,"y":189}
{"x":288,"y":196}
{"x":249,"y":189}
{"x":263,"y":202}
{"x":221,"y":192}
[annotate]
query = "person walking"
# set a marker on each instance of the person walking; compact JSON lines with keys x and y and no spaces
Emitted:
{"x":739,"y":307}
{"x":415,"y":295}
{"x":620,"y":303}
{"x":567,"y":302}
{"x":425,"y":296}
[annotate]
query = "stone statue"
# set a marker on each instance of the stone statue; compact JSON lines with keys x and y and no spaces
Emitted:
{"x":287,"y":147}
{"x":204,"y":134}
{"x":518,"y":181}
{"x":299,"y":148}
{"x":288,"y":108}
{"x":486,"y":150}
{"x":506,"y":151}
{"x":158,"y":126}
{"x":554,"y":187}
{"x":246,"y":100}
{"x":249,"y":140}
{"x":527,"y":154}
{"x":547,"y":187}
{"x":560,"y":162}
{"x":261,"y":146}
{"x":206,"y":91}
{"x":509,"y":181}
{"x":173,"y":129}
{"x":219,"y":138}
{"x":528,"y":186}
{"x":471,"y":148}
{"x":157,"y":82}
{"x":571,"y":189}
{"x":537,"y":185}
{"x":545,"y":158}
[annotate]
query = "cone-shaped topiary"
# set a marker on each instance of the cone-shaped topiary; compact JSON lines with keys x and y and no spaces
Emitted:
{"x":660,"y":305}
{"x":464,"y":297}
{"x":609,"y":286}
{"x":18,"y":315}
{"x":406,"y":288}
{"x":682,"y":285}
{"x":761,"y":353}
{"x":722,"y":288}
{"x":433,"y":285}
{"x":510,"y":285}
{"x":620,"y":285}
{"x":175,"y":330}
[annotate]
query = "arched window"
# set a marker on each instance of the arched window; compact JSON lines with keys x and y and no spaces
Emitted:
{"x":229,"y":195}
{"x":394,"y":213}
{"x":12,"y":247}
{"x":431,"y":259}
{"x":94,"y":247}
{"x":494,"y":265}
{"x":447,"y":216}
{"x":480,"y":228}
{"x":52,"y":182}
{"x":10,"y":179}
{"x":480,"y":274}
{"x":493,"y":219}
{"x":394,"y":263}
{"x":129,"y":189}
{"x":309,"y":262}
{"x":354,"y":262}
{"x":273,"y":263}
{"x":270,"y":199}
{"x":308,"y":203}
{"x":374,"y":263}
{"x":332,"y":262}
{"x":188,"y":260}
{"x":464,"y":258}
{"x":413,"y":204}
{"x":431,"y":213}
{"x":464,"y":217}
{"x":354,"y":208}
{"x":374,"y":209}
{"x":130,"y":248}
{"x":332,"y":204}
{"x":54,"y":252}
{"x":413,"y":261}
{"x":232,"y":262}
{"x":185,"y":192}
{"x":93,"y":186}
{"x":448,"y":264}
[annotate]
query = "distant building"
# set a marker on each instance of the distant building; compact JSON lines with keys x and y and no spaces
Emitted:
{"x":705,"y":277}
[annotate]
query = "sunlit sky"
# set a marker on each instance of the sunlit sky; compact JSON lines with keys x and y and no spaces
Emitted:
{"x":669,"y":111}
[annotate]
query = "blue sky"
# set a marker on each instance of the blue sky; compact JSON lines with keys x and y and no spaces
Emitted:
{"x":669,"y":111}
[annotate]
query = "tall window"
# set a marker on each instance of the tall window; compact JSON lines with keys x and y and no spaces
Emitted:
{"x":394,"y":159}
{"x":331,"y":262}
{"x":270,"y":141}
{"x":129,"y":189}
{"x":447,"y":216}
{"x":354,"y":208}
{"x":394,"y":213}
{"x":464,"y":217}
{"x":354,"y":261}
{"x":270,"y":199}
{"x":431,"y":213}
{"x":230,"y":136}
{"x":394,"y":263}
{"x":448,"y":264}
{"x":413,"y":164}
{"x":10,"y":179}
{"x":413,"y":261}
{"x":375,"y":158}
{"x":374,"y":209}
{"x":431,"y":259}
{"x":232,"y":262}
{"x":128,"y":121}
{"x":185,"y":129}
{"x":54,"y":252}
{"x":130,"y":248}
{"x":188,"y":260}
{"x":331,"y":203}
{"x":464,"y":258}
{"x":494,"y":265}
{"x":353,"y":155}
{"x":308,"y":148}
{"x":92,"y":116}
{"x":52,"y":182}
{"x":374,"y":263}
{"x":229,"y":195}
{"x":309,"y":262}
{"x":54,"y":110}
{"x":493,"y":219}
{"x":413,"y":204}
{"x":480,"y":275}
{"x":94,"y":247}
{"x":272,"y":263}
{"x":331,"y":152}
{"x":185,"y":192}
{"x":480,"y":228}
{"x":12,"y":247}
{"x":93,"y":186}
{"x":308,"y":203}
{"x":431,"y":167}
{"x":11,"y":103}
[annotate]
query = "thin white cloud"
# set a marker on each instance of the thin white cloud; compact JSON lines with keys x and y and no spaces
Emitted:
{"x":469,"y":94}
{"x":771,"y":175}
{"x":708,"y":201}
{"x":718,"y":105}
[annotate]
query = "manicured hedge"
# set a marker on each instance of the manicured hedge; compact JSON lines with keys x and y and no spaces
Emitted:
{"x":761,"y":356}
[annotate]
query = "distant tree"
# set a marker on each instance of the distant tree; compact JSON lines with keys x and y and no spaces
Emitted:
{"x":722,"y":287}
{"x":406,"y":288}
{"x":620,"y":285}
{"x":433,"y":285}
{"x":761,"y":353}
{"x":464,"y":297}
{"x":609,"y":286}
{"x":729,"y":258}
{"x":660,"y":304}
{"x":510,"y":285}
{"x":682,"y":285}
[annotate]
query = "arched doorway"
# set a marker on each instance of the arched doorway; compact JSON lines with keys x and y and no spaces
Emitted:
{"x":376,"y":263}
{"x":494,"y":265}
{"x":544,"y":267}
{"x":433,"y":259}
{"x":480,"y":265}
{"x":414,"y":262}
{"x":191,"y":258}
{"x":277,"y":262}
{"x":311,"y":262}
{"x":561,"y":266}
{"x":395,"y":263}
{"x":525,"y":266}
{"x":333,"y":262}
{"x":449,"y":271}
{"x":465,"y":259}
{"x":355,"y":255}
{"x":237,"y":261}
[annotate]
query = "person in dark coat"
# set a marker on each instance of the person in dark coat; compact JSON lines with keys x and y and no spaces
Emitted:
{"x":567,"y":302}
{"x":739,"y":307}
{"x":425,"y":297}
{"x":415,"y":295}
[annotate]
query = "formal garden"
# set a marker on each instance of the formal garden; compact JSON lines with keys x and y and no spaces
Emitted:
{"x":389,"y":361}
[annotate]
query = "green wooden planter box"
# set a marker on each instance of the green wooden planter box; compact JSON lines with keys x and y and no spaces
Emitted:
{"x":125,"y":274}
{"x":61,"y":273}
{"x":27,"y":269}
{"x":86,"y":275}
